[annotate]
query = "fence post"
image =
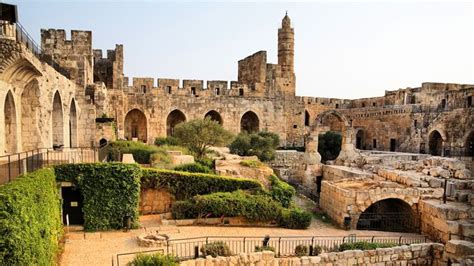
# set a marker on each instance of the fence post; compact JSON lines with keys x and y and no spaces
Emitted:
{"x":279,"y":246}
{"x":26,"y":162}
{"x":196,"y":252}
{"x":19,"y":164}
{"x":207,"y":240}
{"x":167,"y":247}
{"x":373,"y":239}
{"x":47,"y":157}
{"x":9,"y":170}
{"x":400,"y":240}
{"x":244,"y":244}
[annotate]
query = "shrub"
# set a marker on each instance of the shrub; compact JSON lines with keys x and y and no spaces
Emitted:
{"x":329,"y":145}
{"x":193,"y":168}
{"x":141,"y":151}
{"x":153,"y":260}
{"x":251,"y":163}
{"x":166,"y":141}
{"x":231,"y":204}
{"x":30,"y":219}
{"x":111,"y":191}
{"x":210,"y":163}
{"x":295,"y":218}
{"x":364,"y":245}
{"x":301,"y":250}
{"x":214,"y":249}
{"x":264,"y":248}
{"x":162,"y":159}
{"x":282,"y":191}
{"x":184,"y":209}
{"x":261,"y":144}
{"x":186,"y":185}
{"x":316,"y":250}
{"x":200,"y":134}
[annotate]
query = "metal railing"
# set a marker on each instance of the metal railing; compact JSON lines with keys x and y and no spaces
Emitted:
{"x":14,"y":165}
{"x":24,"y":37}
{"x":284,"y":246}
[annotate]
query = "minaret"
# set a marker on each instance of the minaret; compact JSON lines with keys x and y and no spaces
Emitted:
{"x":286,"y":47}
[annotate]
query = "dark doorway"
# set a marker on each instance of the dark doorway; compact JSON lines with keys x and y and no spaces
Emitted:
{"x":435,"y":143}
{"x":393,"y":144}
{"x":249,"y":122}
{"x":72,"y":205}
{"x":393,"y":215}
{"x":319,"y":180}
{"x":469,"y":146}
{"x":174,"y":118}
{"x":360,"y":141}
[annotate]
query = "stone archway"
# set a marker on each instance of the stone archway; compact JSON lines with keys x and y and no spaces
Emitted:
{"x":10,"y":135}
{"x":347,"y":147}
{"x":135,"y":125}
{"x":469,"y":145}
{"x":435,"y":143}
{"x":391,"y":214}
{"x":174,"y":118}
{"x":249,"y":123}
{"x":30,"y":116}
{"x":73,"y":124}
{"x":307,"y":118}
{"x":215,"y":116}
{"x":57,"y":121}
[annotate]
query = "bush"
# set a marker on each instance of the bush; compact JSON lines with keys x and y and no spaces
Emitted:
{"x":214,"y":249}
{"x":295,"y":218}
{"x":30,"y":220}
{"x":251,"y":163}
{"x":230,"y":204}
{"x":261,"y":144}
{"x":329,"y":145}
{"x":166,"y":141}
{"x":153,"y":260}
{"x":364,"y":245}
{"x":111,"y":191}
{"x":141,"y":151}
{"x":264,"y":248}
{"x":282,"y":191}
{"x":162,"y":159}
{"x":185,"y":185}
{"x":301,"y":250}
{"x":317,"y":250}
{"x":210,"y":163}
{"x":193,"y":168}
{"x":184,"y":209}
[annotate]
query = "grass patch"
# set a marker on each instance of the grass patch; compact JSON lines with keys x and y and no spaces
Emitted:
{"x":251,"y":163}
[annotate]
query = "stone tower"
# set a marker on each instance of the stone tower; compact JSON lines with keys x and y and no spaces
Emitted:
{"x":286,"y":48}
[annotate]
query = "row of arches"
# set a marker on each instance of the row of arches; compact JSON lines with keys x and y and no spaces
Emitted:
{"x":135,"y":123}
{"x":29,"y":121}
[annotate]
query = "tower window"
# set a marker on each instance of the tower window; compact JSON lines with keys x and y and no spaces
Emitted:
{"x":415,"y":123}
{"x":218,"y":91}
{"x":168,"y":89}
{"x":469,"y":101}
{"x":241,"y":92}
{"x":337,"y":106}
{"x":375,"y":144}
{"x":143,"y":88}
{"x":193,"y":91}
{"x":374,"y":104}
{"x":363,"y":104}
{"x":443,"y":103}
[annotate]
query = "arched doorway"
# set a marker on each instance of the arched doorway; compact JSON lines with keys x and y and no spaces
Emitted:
{"x":360,"y":140}
{"x":435,"y":143}
{"x":469,"y":145}
{"x":173,"y":119}
{"x":215,"y":116}
{"x":249,"y":123}
{"x":392,"y":215}
{"x":102,"y":142}
{"x":135,"y":125}
{"x":58,"y":122}
{"x":307,"y":118}
{"x":30,"y":116}
{"x":10,"y":124}
{"x":72,"y":125}
{"x":331,"y":128}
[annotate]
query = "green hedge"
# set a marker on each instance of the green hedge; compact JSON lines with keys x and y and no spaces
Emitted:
{"x":110,"y":190}
{"x":30,"y":220}
{"x":153,"y":260}
{"x":186,"y":185}
{"x":229,"y":204}
{"x":141,"y":151}
{"x":282,"y":191}
{"x":364,"y":245}
{"x":194,"y":168}
{"x":295,"y":218}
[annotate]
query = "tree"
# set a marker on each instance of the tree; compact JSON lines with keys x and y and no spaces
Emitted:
{"x":329,"y":145}
{"x":200,"y":134}
{"x":261,"y":144}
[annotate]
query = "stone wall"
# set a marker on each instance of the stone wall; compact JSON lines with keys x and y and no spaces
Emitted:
{"x":416,"y":254}
{"x":155,"y":201}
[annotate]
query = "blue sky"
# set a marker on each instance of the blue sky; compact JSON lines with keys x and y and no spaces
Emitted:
{"x":342,"y":50}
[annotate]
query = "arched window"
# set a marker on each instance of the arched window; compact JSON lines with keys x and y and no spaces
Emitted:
{"x":249,"y":122}
{"x":173,"y":119}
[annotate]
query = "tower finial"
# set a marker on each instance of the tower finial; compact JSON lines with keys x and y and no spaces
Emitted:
{"x":286,"y":14}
